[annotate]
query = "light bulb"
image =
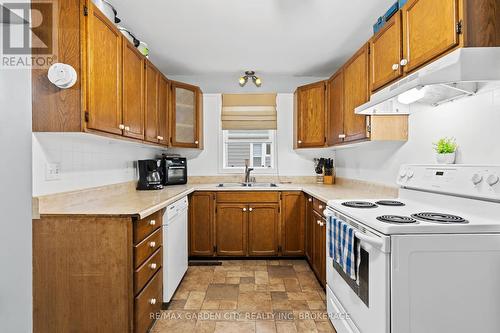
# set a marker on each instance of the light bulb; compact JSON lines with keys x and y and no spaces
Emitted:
{"x":258,"y":82}
{"x":243,"y":80}
{"x":412,"y":95}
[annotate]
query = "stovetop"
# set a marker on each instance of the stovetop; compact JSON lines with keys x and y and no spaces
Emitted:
{"x":413,"y":217}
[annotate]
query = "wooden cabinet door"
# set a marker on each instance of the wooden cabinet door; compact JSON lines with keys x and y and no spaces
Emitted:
{"x":386,"y":50}
{"x":201,"y":224}
{"x":151,"y":93}
{"x":231,"y":229}
{"x":335,"y":117}
{"x":319,"y":247}
{"x":429,"y":30}
{"x":311,"y":115}
{"x":104,"y":73}
{"x":163,"y":110}
{"x":263,"y":220}
{"x":356,"y":92}
{"x":293,"y":224}
{"x":133,"y":91}
{"x":309,"y":229}
{"x":186,"y":109}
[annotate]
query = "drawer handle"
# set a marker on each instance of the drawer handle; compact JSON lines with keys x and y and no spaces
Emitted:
{"x":152,"y":301}
{"x":152,"y":244}
{"x":320,"y":206}
{"x":152,"y":222}
{"x":152,"y":266}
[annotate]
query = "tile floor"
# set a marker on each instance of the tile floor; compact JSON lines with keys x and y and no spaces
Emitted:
{"x":247,"y":296}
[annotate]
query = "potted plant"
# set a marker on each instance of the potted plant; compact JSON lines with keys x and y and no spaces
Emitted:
{"x":446,"y":150}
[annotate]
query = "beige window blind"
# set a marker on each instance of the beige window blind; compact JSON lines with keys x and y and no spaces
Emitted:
{"x":249,"y":112}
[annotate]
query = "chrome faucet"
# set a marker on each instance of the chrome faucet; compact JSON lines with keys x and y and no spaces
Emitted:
{"x":247,"y":171}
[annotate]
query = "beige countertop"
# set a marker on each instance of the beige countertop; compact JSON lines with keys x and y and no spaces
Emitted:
{"x":125,"y":200}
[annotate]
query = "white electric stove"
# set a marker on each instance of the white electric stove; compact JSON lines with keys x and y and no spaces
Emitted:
{"x":430,"y":259}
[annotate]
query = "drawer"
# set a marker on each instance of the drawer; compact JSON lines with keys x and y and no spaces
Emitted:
{"x":148,"y":303}
{"x":319,"y":206}
{"x":145,"y":226}
{"x":147,"y":270}
{"x":248,"y":196}
{"x":147,"y":247}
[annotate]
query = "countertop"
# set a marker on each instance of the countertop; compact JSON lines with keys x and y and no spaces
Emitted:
{"x":125,"y":200}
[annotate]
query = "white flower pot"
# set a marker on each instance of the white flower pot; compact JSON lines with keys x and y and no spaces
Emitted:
{"x":446,"y":158}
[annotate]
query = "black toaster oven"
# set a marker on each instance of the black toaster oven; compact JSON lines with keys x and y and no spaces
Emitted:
{"x":174,"y":170}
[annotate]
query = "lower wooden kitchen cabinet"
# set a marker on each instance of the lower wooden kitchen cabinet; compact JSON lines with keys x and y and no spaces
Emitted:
{"x":316,"y":238}
{"x":97,"y":273}
{"x":250,"y":223}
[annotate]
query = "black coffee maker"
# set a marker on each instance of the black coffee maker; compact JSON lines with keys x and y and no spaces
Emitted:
{"x":150,"y":176}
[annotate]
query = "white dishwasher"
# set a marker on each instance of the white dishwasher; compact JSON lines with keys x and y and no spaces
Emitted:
{"x":175,"y":246}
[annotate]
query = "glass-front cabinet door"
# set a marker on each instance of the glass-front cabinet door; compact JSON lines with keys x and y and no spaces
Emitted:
{"x":186,"y":115}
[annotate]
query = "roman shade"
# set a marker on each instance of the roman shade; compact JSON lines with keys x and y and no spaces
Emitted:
{"x":249,"y":112}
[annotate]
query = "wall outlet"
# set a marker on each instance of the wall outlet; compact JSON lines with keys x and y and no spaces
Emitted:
{"x":52,"y":171}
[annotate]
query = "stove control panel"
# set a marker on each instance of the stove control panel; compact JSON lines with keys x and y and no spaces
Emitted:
{"x":478,"y":181}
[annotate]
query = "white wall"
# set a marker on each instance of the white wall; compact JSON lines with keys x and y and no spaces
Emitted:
{"x":473,"y":121}
{"x":15,"y":201}
{"x":85,"y":161}
{"x":290,"y":162}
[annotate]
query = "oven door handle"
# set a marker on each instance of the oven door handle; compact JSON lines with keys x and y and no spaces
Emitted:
{"x":377,"y":242}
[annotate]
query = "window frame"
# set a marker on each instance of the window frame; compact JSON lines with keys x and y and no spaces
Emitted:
{"x":238,"y":170}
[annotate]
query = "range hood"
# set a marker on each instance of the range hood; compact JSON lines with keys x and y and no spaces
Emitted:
{"x":458,"y":74}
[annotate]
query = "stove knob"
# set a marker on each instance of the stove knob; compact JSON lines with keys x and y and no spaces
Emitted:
{"x":409,"y":174}
{"x":402,"y":174}
{"x":476,"y":178}
{"x":492,"y":179}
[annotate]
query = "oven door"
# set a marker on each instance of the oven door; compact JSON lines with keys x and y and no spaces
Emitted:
{"x":367,"y":305}
{"x":176,"y":175}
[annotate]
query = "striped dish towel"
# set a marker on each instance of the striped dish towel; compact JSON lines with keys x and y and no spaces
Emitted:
{"x":343,"y":248}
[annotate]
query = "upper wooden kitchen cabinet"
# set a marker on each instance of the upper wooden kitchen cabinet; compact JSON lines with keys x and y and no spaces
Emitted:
{"x":104,"y":74}
{"x":293,"y":220}
{"x":151,"y":104}
{"x":201,"y":224}
{"x":163,"y":111}
{"x":310,"y":116}
{"x":386,"y":49}
{"x":187,"y":114}
{"x":430,"y":28}
{"x":335,"y":106}
{"x":118,"y":93}
{"x":133,"y":91}
{"x":263,"y":223}
{"x":356,"y":92}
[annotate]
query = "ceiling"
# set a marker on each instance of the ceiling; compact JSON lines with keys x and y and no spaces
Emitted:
{"x":275,"y":37}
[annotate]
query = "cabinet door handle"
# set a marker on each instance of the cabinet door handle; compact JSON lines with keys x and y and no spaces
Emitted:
{"x":403,"y":62}
{"x":250,"y":209}
{"x":153,"y":266}
{"x":152,"y":244}
{"x":318,"y":222}
{"x":159,"y":137}
{"x":152,"y":301}
{"x":395,"y":67}
{"x":196,"y":142}
{"x":310,"y":200}
{"x":152,"y":222}
{"x":244,"y":209}
{"x":320,"y":206}
{"x":342,"y":136}
{"x":300,"y":141}
{"x":121,"y":126}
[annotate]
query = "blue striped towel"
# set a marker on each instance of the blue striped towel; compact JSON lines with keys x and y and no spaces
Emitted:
{"x":342,"y":247}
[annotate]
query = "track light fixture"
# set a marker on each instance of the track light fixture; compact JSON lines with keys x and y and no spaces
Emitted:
{"x":250,"y":74}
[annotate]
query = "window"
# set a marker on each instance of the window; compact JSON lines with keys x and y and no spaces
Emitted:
{"x":258,"y":146}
